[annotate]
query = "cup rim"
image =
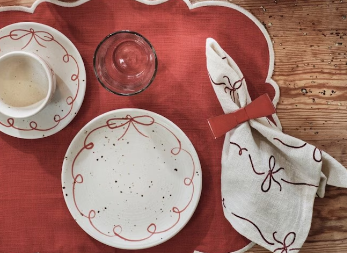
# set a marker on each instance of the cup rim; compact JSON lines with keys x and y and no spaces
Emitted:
{"x":151,"y":47}
{"x":48,"y":72}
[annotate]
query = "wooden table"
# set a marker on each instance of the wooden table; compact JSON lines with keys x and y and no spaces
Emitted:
{"x":310,"y":41}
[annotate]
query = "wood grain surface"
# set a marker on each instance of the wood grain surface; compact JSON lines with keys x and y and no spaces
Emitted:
{"x":310,"y":42}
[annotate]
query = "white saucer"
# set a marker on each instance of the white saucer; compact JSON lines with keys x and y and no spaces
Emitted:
{"x":65,"y":60}
{"x":131,"y":179}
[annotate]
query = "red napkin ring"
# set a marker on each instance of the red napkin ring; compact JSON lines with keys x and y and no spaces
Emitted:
{"x":260,"y":107}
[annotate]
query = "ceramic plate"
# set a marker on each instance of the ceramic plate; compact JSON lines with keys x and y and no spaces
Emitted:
{"x":65,"y":60}
{"x":131,"y":179}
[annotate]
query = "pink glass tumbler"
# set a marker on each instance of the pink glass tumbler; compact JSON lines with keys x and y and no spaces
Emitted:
{"x":125,"y":63}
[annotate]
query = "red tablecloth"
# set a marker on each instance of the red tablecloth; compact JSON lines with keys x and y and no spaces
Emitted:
{"x":33,"y":214}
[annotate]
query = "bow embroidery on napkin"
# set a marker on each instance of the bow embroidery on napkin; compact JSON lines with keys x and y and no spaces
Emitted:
{"x":269,"y":179}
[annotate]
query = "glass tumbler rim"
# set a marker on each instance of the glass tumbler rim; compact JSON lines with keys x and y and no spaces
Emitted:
{"x":150,"y":46}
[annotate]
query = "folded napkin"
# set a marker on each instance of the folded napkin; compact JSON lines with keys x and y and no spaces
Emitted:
{"x":269,"y":179}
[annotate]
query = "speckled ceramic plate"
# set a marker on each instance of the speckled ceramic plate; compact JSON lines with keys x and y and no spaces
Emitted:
{"x":131,"y":179}
{"x":59,"y":52}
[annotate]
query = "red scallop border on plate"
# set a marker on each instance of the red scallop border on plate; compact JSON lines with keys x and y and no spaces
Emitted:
{"x":128,"y":121}
{"x":136,"y":119}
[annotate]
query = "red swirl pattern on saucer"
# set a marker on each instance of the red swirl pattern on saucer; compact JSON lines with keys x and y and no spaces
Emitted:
{"x":66,"y":62}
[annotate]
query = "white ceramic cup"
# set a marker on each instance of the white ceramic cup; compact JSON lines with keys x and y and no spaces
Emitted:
{"x":27,"y":84}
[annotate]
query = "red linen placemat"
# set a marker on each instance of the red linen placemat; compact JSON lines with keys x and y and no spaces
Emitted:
{"x":33,"y":214}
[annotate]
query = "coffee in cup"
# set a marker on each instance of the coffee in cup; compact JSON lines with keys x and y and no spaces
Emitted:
{"x":27,"y":84}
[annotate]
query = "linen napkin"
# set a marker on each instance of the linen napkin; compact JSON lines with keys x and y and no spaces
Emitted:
{"x":269,"y":179}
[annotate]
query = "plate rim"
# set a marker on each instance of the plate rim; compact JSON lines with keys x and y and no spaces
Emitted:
{"x":196,"y":161}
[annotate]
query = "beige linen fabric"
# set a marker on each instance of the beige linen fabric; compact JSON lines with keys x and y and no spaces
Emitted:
{"x":269,"y":179}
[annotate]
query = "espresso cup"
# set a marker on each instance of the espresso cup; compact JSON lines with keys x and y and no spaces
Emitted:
{"x":27,"y":84}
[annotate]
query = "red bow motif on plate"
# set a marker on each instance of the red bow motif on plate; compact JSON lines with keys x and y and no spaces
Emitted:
{"x":260,"y":107}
